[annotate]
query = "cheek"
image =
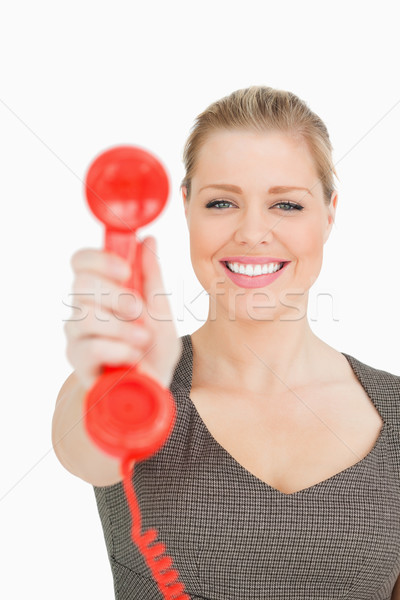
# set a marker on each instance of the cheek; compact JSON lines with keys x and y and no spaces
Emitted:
{"x":200,"y":252}
{"x":307,"y":242}
{"x":197,"y":243}
{"x":205,"y":243}
{"x":205,"y":240}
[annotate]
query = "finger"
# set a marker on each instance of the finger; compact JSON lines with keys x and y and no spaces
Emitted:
{"x":107,"y":264}
{"x":94,"y":291}
{"x":89,"y":356}
{"x":106,"y":325}
{"x":154,"y":294}
{"x":150,"y":265}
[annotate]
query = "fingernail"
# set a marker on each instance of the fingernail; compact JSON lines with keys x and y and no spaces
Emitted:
{"x":152,"y":244}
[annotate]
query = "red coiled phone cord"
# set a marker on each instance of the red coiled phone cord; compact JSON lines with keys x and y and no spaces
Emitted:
{"x":155,"y":555}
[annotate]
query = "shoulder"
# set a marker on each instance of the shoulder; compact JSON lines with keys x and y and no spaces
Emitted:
{"x":374,"y":374}
{"x":382,"y":386}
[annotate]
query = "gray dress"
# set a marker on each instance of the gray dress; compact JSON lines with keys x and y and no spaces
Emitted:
{"x":234,"y":537}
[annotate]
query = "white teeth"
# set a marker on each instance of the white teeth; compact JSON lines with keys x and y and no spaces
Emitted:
{"x":252,"y":270}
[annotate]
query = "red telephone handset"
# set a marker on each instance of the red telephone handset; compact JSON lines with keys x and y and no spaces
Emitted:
{"x":128,"y":414}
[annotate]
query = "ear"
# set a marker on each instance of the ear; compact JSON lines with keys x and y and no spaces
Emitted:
{"x":184,"y":198}
{"x":331,"y":215}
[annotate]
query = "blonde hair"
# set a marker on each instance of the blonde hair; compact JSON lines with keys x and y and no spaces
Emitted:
{"x":261,"y":109}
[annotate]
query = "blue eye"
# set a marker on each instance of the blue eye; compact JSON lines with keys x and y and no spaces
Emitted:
{"x":217,"y":202}
{"x":290,"y":206}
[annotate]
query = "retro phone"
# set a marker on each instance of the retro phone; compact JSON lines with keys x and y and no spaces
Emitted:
{"x":128,"y":414}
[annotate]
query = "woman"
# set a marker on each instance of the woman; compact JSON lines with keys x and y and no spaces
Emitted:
{"x":281,"y":477}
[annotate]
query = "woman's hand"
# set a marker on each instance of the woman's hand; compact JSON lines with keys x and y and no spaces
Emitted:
{"x":113,"y":325}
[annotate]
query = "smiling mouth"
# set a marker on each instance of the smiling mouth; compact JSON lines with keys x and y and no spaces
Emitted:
{"x":254,"y":270}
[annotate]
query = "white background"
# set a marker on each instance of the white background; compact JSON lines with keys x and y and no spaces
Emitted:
{"x":79,"y":77}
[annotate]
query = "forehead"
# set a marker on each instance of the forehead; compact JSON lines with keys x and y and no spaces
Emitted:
{"x":270,"y":156}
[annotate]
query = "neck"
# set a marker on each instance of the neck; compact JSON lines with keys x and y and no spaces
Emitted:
{"x":256,"y":355}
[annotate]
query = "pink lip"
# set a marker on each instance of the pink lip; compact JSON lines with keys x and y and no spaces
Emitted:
{"x":256,"y":281}
{"x":253,"y":260}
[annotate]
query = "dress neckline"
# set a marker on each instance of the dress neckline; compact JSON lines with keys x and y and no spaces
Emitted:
{"x":358,"y":369}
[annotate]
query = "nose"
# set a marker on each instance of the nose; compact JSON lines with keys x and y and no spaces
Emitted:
{"x":255,"y":226}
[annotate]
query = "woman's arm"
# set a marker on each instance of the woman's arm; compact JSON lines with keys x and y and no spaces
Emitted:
{"x":72,"y":445}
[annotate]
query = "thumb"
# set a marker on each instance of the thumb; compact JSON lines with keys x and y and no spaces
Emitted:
{"x":154,"y":294}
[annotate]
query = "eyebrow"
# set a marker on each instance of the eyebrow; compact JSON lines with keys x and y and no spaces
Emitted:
{"x":277,"y":189}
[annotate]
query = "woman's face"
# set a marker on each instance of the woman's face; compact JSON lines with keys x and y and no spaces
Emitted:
{"x":239,"y":210}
